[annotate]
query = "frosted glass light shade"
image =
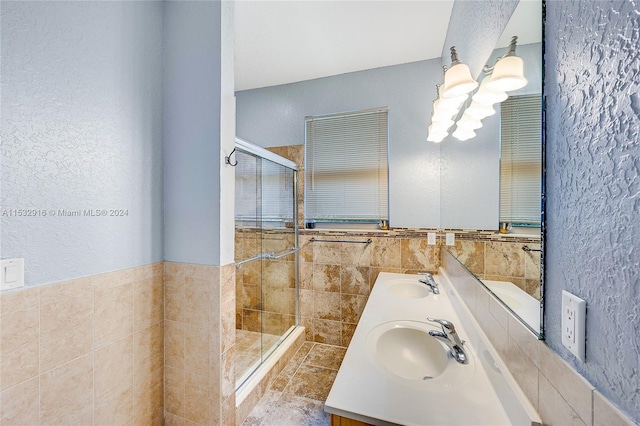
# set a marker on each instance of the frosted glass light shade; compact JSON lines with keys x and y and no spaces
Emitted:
{"x":452,"y":104}
{"x":467,"y":122}
{"x":440,"y":114}
{"x":436,"y":135}
{"x":446,"y":108}
{"x":458,"y":81}
{"x":442,"y":121}
{"x":479,"y":111}
{"x":508,"y":74}
{"x":463,"y":134}
{"x":488,"y":97}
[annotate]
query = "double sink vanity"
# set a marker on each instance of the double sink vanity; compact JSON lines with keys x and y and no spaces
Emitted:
{"x":403,"y":365}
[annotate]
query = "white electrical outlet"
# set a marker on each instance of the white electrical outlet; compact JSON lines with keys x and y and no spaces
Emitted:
{"x":11,"y":273}
{"x":431,"y":238}
{"x":574,"y":312}
{"x":450,"y":239}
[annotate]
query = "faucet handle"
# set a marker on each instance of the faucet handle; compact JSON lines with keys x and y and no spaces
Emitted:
{"x":426,"y":274}
{"x":446,"y":325}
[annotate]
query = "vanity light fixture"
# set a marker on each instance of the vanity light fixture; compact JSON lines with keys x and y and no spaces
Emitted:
{"x":505,"y":75}
{"x":457,"y":78}
{"x":508,"y":72}
{"x":486,"y":96}
{"x":468,"y":122}
{"x":463,"y":134}
{"x":479,"y":111}
{"x":443,"y":107}
{"x":436,"y":134}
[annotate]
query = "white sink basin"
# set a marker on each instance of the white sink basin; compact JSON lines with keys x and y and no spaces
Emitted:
{"x":405,"y":350}
{"x":409,"y":288}
{"x":411,"y":353}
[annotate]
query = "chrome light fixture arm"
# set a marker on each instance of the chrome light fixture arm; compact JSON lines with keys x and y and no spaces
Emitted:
{"x":511,"y":52}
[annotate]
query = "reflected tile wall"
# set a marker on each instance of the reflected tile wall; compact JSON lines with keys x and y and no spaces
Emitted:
{"x":492,"y":256}
{"x":85,"y":351}
{"x":199,"y":346}
{"x":559,"y":394}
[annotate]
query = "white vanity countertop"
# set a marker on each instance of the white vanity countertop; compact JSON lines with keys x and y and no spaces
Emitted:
{"x":365,"y":390}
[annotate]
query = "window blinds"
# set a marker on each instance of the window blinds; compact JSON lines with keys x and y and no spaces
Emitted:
{"x":346,"y":171}
{"x":521,"y":160}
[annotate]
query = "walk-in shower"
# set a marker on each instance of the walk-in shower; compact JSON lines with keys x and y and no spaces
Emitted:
{"x":266,"y":254}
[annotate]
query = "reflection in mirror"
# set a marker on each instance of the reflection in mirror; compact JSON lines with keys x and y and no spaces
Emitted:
{"x":491,"y":185}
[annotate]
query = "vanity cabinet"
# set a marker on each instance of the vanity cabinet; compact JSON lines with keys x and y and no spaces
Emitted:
{"x":345,"y":421}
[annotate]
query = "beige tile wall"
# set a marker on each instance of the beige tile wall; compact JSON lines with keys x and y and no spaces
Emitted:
{"x":86,"y":351}
{"x":556,"y":390}
{"x":199,"y":344}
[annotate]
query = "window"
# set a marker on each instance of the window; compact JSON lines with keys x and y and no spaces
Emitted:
{"x":521,"y":160}
{"x":346,"y":171}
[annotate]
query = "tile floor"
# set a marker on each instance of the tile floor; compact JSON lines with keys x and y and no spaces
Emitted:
{"x":297,"y":396}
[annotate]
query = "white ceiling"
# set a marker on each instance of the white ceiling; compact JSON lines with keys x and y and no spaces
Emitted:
{"x":279,"y":42}
{"x":526,"y":23}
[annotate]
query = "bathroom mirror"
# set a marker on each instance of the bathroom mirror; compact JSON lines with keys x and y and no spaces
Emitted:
{"x":475,"y":191}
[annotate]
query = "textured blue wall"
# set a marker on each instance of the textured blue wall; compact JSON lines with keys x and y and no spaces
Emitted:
{"x":81,"y":128}
{"x":192,"y":103}
{"x":593,"y":184}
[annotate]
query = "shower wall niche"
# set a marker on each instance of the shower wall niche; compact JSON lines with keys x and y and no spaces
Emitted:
{"x":266,"y":254}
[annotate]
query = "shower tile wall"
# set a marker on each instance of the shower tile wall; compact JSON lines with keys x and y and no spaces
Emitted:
{"x":265,"y":300}
{"x":199,"y":344}
{"x":85,"y":351}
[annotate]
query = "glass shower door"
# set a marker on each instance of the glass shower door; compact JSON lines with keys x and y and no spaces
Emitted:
{"x":248,"y":254}
{"x":279,"y":243}
{"x":266,"y":259}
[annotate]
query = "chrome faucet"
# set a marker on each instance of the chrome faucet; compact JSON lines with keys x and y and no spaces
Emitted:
{"x":430,"y":282}
{"x":449,"y":337}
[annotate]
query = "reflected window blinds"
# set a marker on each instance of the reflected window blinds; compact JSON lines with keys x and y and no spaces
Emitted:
{"x":346,"y":166}
{"x":521,"y":160}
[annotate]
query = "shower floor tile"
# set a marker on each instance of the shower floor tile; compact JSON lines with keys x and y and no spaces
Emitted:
{"x":297,"y":396}
{"x":249,"y":347}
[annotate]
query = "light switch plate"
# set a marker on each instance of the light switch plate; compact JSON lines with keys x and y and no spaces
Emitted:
{"x":450,"y":239}
{"x":574,"y":312}
{"x":431,"y":238}
{"x":11,"y":273}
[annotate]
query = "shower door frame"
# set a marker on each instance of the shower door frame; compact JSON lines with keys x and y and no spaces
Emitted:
{"x":261,"y":153}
